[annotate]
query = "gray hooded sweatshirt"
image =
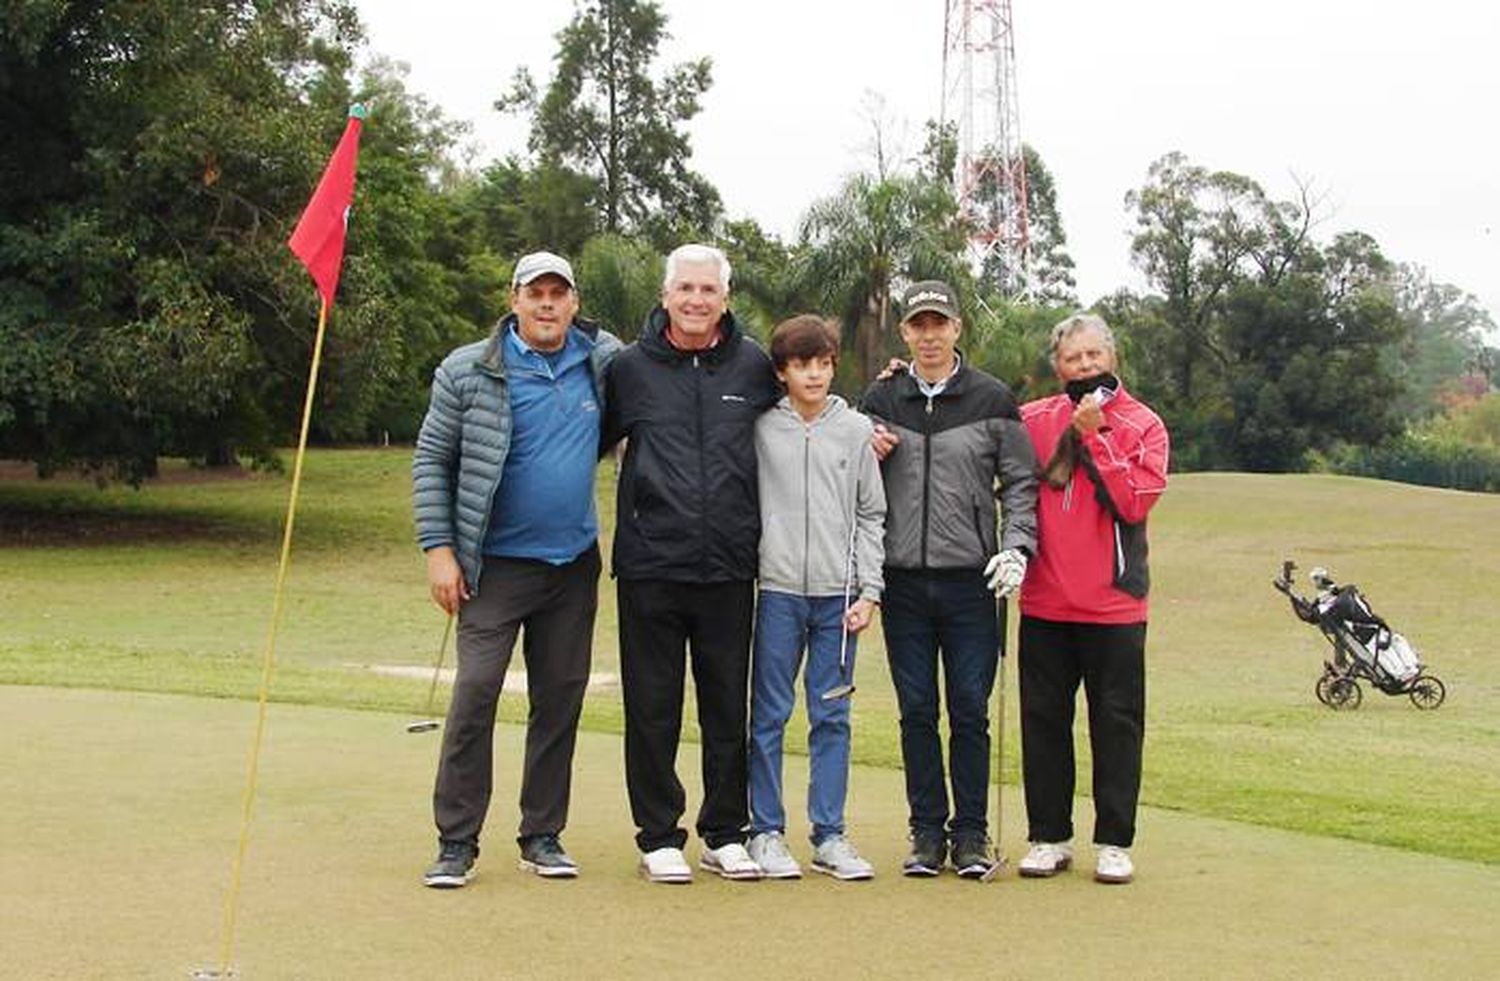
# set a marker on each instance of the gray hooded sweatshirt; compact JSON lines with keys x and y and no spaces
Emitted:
{"x":817,"y":480}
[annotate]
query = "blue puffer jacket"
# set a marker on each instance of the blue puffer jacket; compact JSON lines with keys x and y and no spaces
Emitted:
{"x":465,"y":438}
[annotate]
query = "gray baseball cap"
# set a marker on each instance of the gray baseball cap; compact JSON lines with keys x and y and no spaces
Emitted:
{"x":534,"y":265}
{"x":929,"y":294}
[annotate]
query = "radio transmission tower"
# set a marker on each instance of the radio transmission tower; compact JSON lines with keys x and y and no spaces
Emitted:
{"x":979,"y":98}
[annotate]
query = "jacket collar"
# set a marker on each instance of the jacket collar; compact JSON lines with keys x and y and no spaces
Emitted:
{"x":831,"y":408}
{"x":907,"y":387}
{"x":493,"y":358}
{"x":654,"y":341}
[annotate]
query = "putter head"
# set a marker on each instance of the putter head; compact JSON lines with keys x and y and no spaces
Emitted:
{"x":1002,"y":864}
{"x":838,"y":691}
{"x":423,"y":725}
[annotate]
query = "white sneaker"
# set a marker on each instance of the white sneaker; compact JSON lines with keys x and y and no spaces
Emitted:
{"x":666,"y":865}
{"x":1113,"y":865}
{"x":836,"y":857}
{"x":1046,"y":859}
{"x":768,"y":850}
{"x":730,"y":861}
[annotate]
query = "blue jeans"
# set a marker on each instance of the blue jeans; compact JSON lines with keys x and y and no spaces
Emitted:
{"x":785,"y":625}
{"x":947,"y":614}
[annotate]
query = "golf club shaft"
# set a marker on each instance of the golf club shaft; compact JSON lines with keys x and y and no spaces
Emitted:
{"x":437,"y":668}
{"x":848,"y":584}
{"x":1001,"y":616}
{"x":999,"y":858}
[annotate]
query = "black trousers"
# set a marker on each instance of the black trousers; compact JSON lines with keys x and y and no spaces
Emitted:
{"x":1110,"y":660}
{"x":660,"y":623}
{"x":555,"y":605}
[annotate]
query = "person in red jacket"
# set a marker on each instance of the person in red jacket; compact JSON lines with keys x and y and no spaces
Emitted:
{"x":1083,"y":602}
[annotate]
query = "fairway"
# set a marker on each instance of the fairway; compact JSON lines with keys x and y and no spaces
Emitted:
{"x":122,"y":814}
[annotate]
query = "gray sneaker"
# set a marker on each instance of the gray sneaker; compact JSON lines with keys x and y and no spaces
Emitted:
{"x":544,"y":855}
{"x":835,"y":856}
{"x":929,"y":850}
{"x":971,"y":855}
{"x":769,"y":851}
{"x":454,"y":866}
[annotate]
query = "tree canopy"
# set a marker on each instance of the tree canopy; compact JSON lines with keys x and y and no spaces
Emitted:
{"x":158,"y":155}
{"x":604,"y":115}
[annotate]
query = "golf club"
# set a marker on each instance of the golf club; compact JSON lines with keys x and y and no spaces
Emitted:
{"x":429,"y":724}
{"x":845,"y":687}
{"x":1000,"y":864}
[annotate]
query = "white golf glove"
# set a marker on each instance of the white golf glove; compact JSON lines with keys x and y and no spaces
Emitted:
{"x":1005,"y":572}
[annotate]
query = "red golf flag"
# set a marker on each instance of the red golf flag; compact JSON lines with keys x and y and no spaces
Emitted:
{"x":318,"y":239}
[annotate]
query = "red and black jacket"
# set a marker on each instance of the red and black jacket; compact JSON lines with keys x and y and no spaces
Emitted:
{"x":1091,"y":561}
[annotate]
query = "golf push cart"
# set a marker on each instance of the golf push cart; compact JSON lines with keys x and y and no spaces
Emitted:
{"x":1365,"y":648}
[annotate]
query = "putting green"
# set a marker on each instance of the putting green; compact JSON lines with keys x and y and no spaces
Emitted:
{"x":121,"y":816}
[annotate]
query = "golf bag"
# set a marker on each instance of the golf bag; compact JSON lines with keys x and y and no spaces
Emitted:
{"x":1364,"y":646}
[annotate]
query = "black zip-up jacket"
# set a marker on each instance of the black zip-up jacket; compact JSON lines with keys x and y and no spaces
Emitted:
{"x":687,"y":508}
{"x":959,"y":451}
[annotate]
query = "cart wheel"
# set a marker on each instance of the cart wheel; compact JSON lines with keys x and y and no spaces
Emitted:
{"x":1344,"y":694}
{"x":1321,"y":688}
{"x":1427,"y":692}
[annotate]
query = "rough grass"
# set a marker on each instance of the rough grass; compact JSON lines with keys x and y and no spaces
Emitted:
{"x":169,"y":589}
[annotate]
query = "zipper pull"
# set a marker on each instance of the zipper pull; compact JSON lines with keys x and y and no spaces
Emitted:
{"x":929,"y":405}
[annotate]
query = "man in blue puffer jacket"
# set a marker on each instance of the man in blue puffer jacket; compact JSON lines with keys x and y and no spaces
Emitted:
{"x":503,"y":479}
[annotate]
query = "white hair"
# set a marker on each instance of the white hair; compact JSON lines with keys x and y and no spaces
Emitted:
{"x":696,"y":252}
{"x":1077,"y":323}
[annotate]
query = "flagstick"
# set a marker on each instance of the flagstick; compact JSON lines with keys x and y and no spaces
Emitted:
{"x":231,"y":902}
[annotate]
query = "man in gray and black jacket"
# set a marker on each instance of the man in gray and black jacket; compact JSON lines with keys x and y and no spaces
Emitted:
{"x":958,"y":445}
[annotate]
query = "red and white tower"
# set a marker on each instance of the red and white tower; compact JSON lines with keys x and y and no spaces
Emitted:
{"x":979,"y":97}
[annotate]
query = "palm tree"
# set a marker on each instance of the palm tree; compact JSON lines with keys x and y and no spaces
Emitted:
{"x":872,"y":237}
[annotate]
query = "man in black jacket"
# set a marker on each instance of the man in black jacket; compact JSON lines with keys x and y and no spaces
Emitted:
{"x":685,"y":396}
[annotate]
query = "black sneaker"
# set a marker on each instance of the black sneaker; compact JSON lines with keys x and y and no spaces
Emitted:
{"x":928,"y":850}
{"x":454,"y":866}
{"x":544,"y":855}
{"x":972,"y":857}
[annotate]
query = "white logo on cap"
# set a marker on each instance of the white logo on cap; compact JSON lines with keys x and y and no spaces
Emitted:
{"x":928,"y":295}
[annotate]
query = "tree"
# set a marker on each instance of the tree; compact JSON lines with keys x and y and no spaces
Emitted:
{"x":1446,"y":356}
{"x":1198,"y":232}
{"x":155,"y":157}
{"x":1263,"y":344}
{"x":603,"y":115}
{"x":1306,"y":359}
{"x":861,"y":243}
{"x":1051,"y":266}
{"x":1050,"y":275}
{"x":619,"y":280}
{"x":159,"y":155}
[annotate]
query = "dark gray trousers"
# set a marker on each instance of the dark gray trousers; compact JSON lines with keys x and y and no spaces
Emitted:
{"x":555,"y":605}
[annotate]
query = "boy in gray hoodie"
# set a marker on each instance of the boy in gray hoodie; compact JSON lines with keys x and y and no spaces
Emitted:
{"x":822,"y":512}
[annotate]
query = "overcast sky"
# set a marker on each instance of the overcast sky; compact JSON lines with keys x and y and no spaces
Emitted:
{"x":1388,"y":112}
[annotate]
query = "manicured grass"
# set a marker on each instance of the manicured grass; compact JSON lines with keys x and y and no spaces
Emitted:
{"x":169,"y":589}
{"x":122,"y":812}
